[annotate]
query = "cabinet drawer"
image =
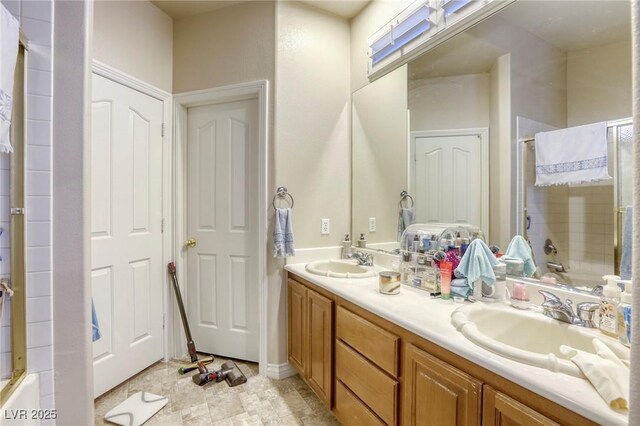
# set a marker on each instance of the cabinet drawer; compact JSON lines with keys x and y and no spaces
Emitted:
{"x":367,"y":382}
{"x":373,"y":342}
{"x":351,"y":411}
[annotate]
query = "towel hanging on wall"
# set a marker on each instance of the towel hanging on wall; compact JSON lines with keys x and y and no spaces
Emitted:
{"x":572,"y":156}
{"x":9,"y":39}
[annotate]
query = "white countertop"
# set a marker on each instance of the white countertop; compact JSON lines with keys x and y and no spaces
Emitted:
{"x":417,"y":312}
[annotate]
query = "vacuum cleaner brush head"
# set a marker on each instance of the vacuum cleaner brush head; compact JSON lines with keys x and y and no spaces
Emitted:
{"x":233,"y":376}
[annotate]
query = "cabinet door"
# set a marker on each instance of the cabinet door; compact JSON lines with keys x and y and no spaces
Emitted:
{"x":319,"y":368}
{"x":500,"y":410}
{"x":437,"y":394}
{"x":298,"y":337}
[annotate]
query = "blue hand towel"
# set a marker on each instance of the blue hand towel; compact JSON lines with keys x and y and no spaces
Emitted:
{"x":477,"y":263}
{"x":625,"y":259}
{"x":405,"y":219}
{"x":95,"y":328}
{"x":283,"y":234}
{"x":520,"y":249}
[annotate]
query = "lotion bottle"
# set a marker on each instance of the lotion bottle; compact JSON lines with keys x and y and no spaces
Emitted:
{"x":624,"y":314}
{"x":346,"y":247}
{"x":609,"y":302}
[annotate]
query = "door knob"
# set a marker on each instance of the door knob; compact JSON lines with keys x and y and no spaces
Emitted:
{"x":191,"y":242}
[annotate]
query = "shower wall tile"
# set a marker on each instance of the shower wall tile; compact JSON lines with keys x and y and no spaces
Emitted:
{"x":36,"y":21}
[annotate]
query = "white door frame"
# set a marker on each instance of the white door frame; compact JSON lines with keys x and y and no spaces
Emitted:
{"x":236,"y":92}
{"x":127,"y":80}
{"x":483,"y":135}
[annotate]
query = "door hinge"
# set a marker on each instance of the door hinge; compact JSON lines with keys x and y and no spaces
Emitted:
{"x":164,"y":317}
{"x":162,"y":226}
{"x":17,"y":211}
{"x":164,"y":129}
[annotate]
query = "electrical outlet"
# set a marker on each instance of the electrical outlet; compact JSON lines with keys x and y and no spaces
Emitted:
{"x":372,"y":224}
{"x":324,"y":227}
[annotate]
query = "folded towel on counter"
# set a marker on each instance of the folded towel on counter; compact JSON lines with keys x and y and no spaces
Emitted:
{"x":283,"y":234}
{"x":460,"y":287}
{"x":573,"y":155}
{"x":625,"y":259}
{"x":520,"y":249}
{"x":477,"y":263}
{"x":9,"y":39}
{"x":405,"y":219}
{"x":606,"y":372}
{"x":95,"y":327}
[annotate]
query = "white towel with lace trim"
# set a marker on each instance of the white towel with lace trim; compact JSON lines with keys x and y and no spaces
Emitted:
{"x":572,"y":156}
{"x":9,"y":38}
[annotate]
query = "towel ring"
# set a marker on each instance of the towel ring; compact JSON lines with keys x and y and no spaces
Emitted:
{"x":403,"y":196}
{"x":282,"y":193}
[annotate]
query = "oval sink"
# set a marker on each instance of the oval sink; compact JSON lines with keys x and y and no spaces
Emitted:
{"x":339,"y":269}
{"x":528,"y":336}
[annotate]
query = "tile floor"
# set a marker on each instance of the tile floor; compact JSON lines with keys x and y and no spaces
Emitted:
{"x":260,"y":401}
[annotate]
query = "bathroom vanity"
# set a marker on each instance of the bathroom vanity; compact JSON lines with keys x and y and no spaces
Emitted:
{"x":376,"y":359}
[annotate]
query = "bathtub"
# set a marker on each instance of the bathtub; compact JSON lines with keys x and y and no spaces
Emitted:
{"x":23,"y":406}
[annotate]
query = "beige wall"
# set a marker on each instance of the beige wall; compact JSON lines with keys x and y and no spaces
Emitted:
{"x":312,"y":144}
{"x":312,"y":128}
{"x":499,"y":151}
{"x":368,"y":21}
{"x":379,"y":155}
{"x":599,"y":83}
{"x":457,"y":102}
{"x":135,"y":37}
{"x":229,"y":45}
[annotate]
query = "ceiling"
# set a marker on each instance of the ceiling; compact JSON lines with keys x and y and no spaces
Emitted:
{"x":573,"y":25}
{"x":181,"y":8}
{"x":567,"y":25}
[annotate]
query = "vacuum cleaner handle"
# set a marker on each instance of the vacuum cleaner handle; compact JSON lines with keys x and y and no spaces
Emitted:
{"x":191,"y":347}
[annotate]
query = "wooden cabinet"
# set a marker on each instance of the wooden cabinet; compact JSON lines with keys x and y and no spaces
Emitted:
{"x":320,"y":325}
{"x":500,"y":410}
{"x":386,"y":375}
{"x":438,"y":394}
{"x":297,"y":321}
{"x":310,"y":338}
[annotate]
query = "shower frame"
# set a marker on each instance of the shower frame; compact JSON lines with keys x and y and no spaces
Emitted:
{"x":17,"y":215}
{"x":618,"y":210}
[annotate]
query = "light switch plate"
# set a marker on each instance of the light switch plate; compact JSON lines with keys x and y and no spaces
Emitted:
{"x":372,"y":224}
{"x":324,"y":226}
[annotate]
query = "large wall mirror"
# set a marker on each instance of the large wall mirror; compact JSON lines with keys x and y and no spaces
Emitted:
{"x":454,"y":129}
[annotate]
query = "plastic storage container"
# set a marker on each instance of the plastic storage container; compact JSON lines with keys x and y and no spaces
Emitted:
{"x":420,"y":242}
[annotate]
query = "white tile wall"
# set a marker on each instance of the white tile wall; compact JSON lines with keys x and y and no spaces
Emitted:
{"x":36,"y":19}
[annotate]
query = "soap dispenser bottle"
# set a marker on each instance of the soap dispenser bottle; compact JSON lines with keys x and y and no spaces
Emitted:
{"x":362,"y":242}
{"x":609,"y":302}
{"x":346,"y":247}
{"x":624,"y":314}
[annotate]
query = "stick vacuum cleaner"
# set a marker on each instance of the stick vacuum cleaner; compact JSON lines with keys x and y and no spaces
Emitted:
{"x":229,"y":371}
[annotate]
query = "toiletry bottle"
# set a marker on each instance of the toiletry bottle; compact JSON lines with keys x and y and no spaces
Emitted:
{"x":624,"y":314}
{"x":445,"y":280}
{"x":609,"y":302}
{"x":405,"y":269}
{"x":464,"y":246}
{"x":346,"y":247}
{"x":362,"y":242}
{"x":416,"y":243}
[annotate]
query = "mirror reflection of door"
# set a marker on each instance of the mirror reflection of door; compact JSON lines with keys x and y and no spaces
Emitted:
{"x":448,"y":176}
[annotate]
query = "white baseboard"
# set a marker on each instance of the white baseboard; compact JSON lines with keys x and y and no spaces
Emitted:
{"x":280,"y":371}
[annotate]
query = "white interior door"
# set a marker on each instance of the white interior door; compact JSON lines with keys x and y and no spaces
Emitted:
{"x":222,"y":270}
{"x":126,"y":240}
{"x":448,"y":179}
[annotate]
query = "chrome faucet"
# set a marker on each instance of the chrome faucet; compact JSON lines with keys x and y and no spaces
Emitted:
{"x":553,"y":307}
{"x":364,"y":259}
